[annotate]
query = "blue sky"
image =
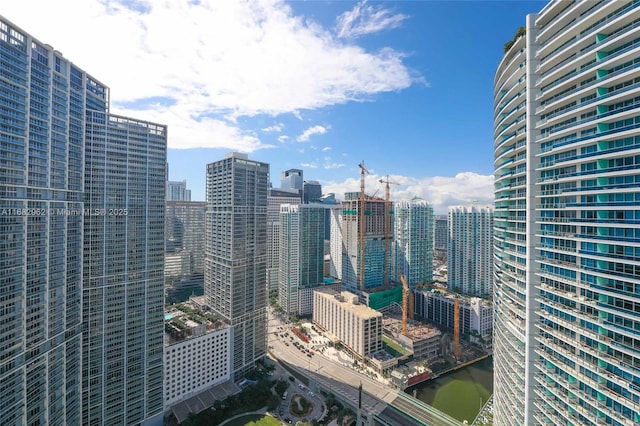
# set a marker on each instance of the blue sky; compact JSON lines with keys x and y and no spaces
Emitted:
{"x":405,"y":86}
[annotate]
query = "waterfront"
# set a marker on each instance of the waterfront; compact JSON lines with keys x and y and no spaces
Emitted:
{"x":461,"y":393}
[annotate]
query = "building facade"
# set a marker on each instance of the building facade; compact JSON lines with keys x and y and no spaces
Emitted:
{"x":470,"y":250}
{"x":275,"y":199}
{"x":177,"y":191}
{"x":84,"y":195}
{"x":312,"y":192}
{"x":184,"y":235}
{"x":566,"y":176}
{"x":197,"y":357}
{"x":123,"y":291}
{"x":301,"y":264}
{"x":413,"y":244}
{"x":357,"y":326}
{"x":235,"y":285}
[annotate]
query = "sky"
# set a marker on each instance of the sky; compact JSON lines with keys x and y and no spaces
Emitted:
{"x":404,"y":86}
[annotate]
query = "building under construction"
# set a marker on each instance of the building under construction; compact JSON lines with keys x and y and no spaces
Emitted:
{"x":373,"y":237}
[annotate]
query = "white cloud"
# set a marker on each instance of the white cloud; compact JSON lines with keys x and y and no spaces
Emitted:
{"x":326,"y":148}
{"x":314,"y":130}
{"x":363,"y":19}
{"x":283,"y":138}
{"x":309,"y":165}
{"x":440,"y":191}
{"x":275,"y":128}
{"x":199,"y":65}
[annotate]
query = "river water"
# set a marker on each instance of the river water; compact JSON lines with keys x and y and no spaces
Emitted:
{"x":460,"y":394}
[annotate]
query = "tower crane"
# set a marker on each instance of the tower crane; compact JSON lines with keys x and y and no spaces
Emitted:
{"x":387,"y":228}
{"x":361,"y":227}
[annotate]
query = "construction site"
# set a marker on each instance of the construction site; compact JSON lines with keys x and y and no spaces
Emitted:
{"x":387,"y":256}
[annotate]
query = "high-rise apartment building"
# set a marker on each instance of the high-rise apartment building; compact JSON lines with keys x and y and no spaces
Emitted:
{"x":177,"y":191}
{"x":184,"y":235}
{"x":235,"y":285}
{"x":123,"y":289}
{"x":275,"y":199}
{"x":470,"y":250}
{"x":81,"y":288}
{"x":301,"y":256}
{"x":413,"y":243}
{"x":566,"y":323}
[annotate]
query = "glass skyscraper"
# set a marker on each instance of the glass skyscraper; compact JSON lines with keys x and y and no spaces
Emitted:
{"x":80,"y":217}
{"x":235,"y":284}
{"x":567,"y":218}
{"x":301,"y":260}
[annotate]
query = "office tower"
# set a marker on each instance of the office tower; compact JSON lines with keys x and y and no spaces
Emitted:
{"x":413,"y":243}
{"x":566,"y":228}
{"x":275,"y":199}
{"x":292,"y":180}
{"x":301,"y":264}
{"x":177,"y":191}
{"x":470,"y":250}
{"x":312,"y":192}
{"x":76,"y":252}
{"x":441,"y":236}
{"x":236,"y":253}
{"x":373,"y":238}
{"x":184,"y":234}
{"x":123,"y":292}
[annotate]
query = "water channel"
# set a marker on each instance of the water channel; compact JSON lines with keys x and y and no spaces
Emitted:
{"x":461,"y":393}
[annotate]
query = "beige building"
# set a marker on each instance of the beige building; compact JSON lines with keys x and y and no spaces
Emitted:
{"x":357,"y":326}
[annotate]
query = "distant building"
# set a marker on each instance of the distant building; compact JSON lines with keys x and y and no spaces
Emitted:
{"x":177,"y":191}
{"x":235,"y":285}
{"x":312,"y":192}
{"x":357,"y":326}
{"x":292,"y":180}
{"x":301,"y":262}
{"x":184,"y":236}
{"x":413,"y":243}
{"x":275,"y":199}
{"x":470,"y":250}
{"x":197,"y":355}
{"x":441,"y":237}
{"x":437,"y":307}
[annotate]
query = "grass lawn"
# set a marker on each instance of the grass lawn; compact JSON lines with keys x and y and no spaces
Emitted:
{"x":392,"y":347}
{"x":254,"y":420}
{"x":460,"y":399}
{"x":265,"y":421}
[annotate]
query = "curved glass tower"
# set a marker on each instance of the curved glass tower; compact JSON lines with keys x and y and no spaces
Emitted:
{"x":576,"y":220}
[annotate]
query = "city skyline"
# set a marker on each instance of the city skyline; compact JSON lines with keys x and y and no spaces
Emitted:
{"x":339,"y":82}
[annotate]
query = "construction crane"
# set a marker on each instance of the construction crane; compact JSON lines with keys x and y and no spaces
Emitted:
{"x":405,"y":303}
{"x":363,"y":172}
{"x":456,"y":328}
{"x":387,"y":228}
